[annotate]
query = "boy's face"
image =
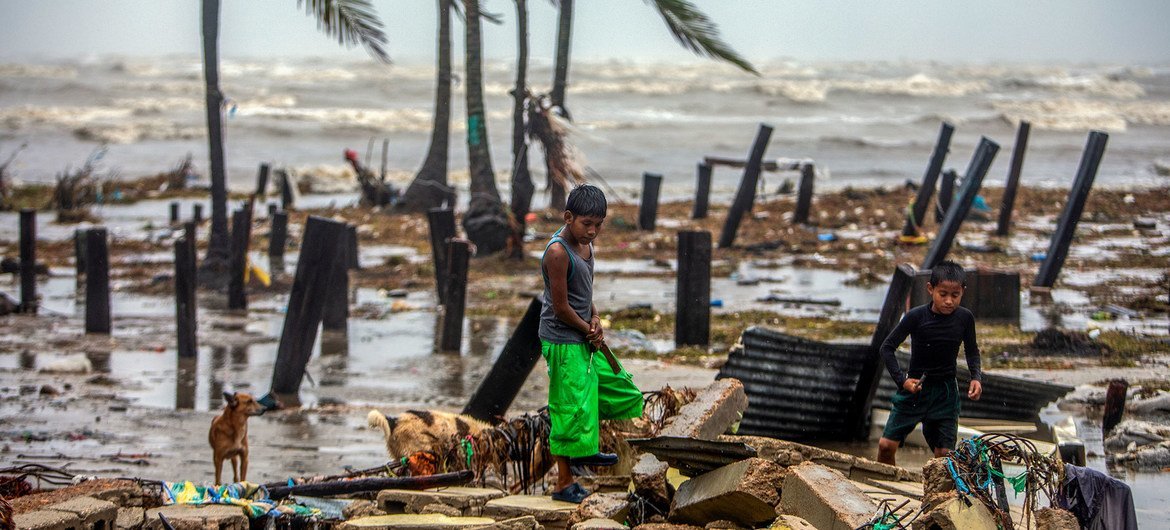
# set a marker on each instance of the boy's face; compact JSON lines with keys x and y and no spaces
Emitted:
{"x":945,"y":296}
{"x":584,"y":228}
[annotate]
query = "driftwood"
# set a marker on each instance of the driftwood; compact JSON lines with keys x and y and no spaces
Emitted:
{"x":342,"y":487}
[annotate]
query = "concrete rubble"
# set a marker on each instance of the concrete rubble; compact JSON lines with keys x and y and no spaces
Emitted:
{"x":614,"y":506}
{"x":713,"y":411}
{"x":466,"y":501}
{"x":825,"y":498}
{"x":188,"y":517}
{"x":649,"y":476}
{"x":744,"y":492}
{"x":956,"y":514}
{"x":791,"y":522}
{"x":598,"y":524}
{"x":1056,"y":519}
{"x":546,"y":511}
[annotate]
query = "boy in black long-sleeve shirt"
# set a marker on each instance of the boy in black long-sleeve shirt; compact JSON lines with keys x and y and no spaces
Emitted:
{"x":928,"y":392}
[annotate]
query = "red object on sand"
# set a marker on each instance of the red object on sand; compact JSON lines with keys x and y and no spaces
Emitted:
{"x":351,"y":155}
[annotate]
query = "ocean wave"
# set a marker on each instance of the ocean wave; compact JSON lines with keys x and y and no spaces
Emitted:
{"x":917,"y":85}
{"x":862,"y":142}
{"x":139,"y":131}
{"x":170,"y":88}
{"x":805,"y":91}
{"x":41,"y":71}
{"x":1076,"y":114}
{"x":26,"y":116}
{"x":1093,"y":84}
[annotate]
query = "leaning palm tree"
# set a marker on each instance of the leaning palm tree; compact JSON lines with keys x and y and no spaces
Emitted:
{"x":689,"y":26}
{"x":522,"y":187}
{"x":352,"y":22}
{"x":485,"y":222}
{"x":429,"y":189}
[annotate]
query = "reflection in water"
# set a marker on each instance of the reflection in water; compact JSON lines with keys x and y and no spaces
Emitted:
{"x":100,"y":360}
{"x":28,"y":360}
{"x":185,"y":382}
{"x":334,"y":359}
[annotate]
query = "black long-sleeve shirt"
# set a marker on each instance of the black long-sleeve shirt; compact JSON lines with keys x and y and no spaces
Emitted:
{"x":934,"y":344}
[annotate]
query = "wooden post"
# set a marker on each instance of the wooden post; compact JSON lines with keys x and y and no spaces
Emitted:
{"x":746,"y":194}
{"x":197,"y":213}
{"x":984,"y":154}
{"x":28,"y":261}
{"x":648,"y":210}
{"x":190,"y":232}
{"x":287,"y":194}
{"x":501,"y":385}
{"x":692,"y":323}
{"x":946,"y":194}
{"x":337,"y":296}
{"x":1013,"y":180}
{"x":458,"y":256}
{"x":442,"y":224}
{"x":174,"y":213}
{"x":808,"y":173}
{"x":1067,"y":227}
{"x":262,"y":182}
{"x":871,"y":370}
{"x":272,"y":209}
{"x":185,"y":303}
{"x":351,"y":249}
{"x":79,"y":243}
{"x":278,"y":235}
{"x":1114,"y":405}
{"x":241,"y":233}
{"x":319,"y":254}
{"x":186,"y":368}
{"x":97,"y":282}
{"x":702,"y":191}
{"x":916,"y":215}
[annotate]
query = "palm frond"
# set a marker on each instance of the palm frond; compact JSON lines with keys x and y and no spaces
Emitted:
{"x":697,"y":33}
{"x":353,"y":22}
{"x":494,"y":18}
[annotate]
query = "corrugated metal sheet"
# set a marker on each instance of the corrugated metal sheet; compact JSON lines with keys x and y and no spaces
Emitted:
{"x":693,"y":457}
{"x":801,"y":389}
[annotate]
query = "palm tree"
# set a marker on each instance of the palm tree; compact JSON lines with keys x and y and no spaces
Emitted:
{"x":485,"y":222}
{"x":352,"y":22}
{"x":522,"y":187}
{"x":429,"y":188}
{"x":691,"y":27}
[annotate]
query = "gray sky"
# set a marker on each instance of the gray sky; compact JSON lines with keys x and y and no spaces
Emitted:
{"x":1117,"y":31}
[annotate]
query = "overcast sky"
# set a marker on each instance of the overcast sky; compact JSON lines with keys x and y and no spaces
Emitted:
{"x":1069,"y":31}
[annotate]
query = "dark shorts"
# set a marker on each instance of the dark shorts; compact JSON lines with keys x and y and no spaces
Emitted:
{"x":936,"y":407}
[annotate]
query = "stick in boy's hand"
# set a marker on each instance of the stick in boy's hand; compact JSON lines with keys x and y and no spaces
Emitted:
{"x":609,"y":358}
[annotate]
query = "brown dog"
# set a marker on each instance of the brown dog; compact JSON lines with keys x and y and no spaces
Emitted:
{"x":229,"y":434}
{"x":423,"y":430}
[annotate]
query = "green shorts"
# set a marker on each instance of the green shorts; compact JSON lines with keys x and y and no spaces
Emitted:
{"x":583,"y":390}
{"x":936,"y":406}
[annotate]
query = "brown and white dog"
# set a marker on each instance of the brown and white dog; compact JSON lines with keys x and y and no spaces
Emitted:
{"x":423,"y":430}
{"x":229,"y":434}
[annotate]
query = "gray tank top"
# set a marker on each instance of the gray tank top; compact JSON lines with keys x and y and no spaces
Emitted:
{"x":580,"y":284}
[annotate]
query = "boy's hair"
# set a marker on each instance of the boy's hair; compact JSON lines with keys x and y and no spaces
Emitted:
{"x":586,"y":200}
{"x":948,"y":271}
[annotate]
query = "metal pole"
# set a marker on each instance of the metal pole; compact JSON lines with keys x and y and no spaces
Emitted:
{"x":28,"y":261}
{"x":97,"y":282}
{"x":702,"y":191}
{"x":648,"y":210}
{"x":808,"y":174}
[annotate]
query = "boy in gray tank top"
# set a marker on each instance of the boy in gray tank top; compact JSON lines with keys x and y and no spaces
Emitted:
{"x":583,"y":388}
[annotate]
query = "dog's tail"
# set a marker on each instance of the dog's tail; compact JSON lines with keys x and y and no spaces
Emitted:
{"x":376,"y":419}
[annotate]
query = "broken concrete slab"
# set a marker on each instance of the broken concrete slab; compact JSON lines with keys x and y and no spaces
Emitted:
{"x":526,"y":522}
{"x":714,"y":410}
{"x":190,"y":517}
{"x":46,"y":520}
{"x":598,"y":524}
{"x":131,"y":518}
{"x":403,"y":521}
{"x":744,"y":492}
{"x":649,"y":476}
{"x":468,"y":501}
{"x":909,"y":489}
{"x":724,"y":524}
{"x":825,"y":498}
{"x":1056,"y":519}
{"x":791,"y":522}
{"x":788,"y":453}
{"x":92,"y":512}
{"x":936,"y":478}
{"x":449,"y":511}
{"x":546,"y":511}
{"x":361,"y":508}
{"x":615,"y":506}
{"x":605,"y":483}
{"x":667,"y":526}
{"x":957,"y":515}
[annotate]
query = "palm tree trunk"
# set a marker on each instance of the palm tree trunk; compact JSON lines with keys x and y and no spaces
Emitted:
{"x":522,"y":187}
{"x":560,"y":81}
{"x":429,"y":188}
{"x":485,"y":223}
{"x":214,"y":267}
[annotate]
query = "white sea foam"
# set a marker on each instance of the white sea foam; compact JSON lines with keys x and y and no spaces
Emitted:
{"x":42,"y":71}
{"x":1090,"y":84}
{"x":797,"y":91}
{"x":68,"y":117}
{"x":917,"y":85}
{"x":138,"y":131}
{"x":1066,"y":114}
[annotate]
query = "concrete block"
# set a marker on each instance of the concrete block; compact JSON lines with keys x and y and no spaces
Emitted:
{"x":546,"y":511}
{"x":957,"y":515}
{"x":605,"y":483}
{"x":825,"y":498}
{"x":132,"y":518}
{"x":361,"y":508}
{"x":724,"y":524}
{"x":667,"y":526}
{"x":47,"y":520}
{"x":714,"y":410}
{"x":598,"y":524}
{"x":1056,"y":519}
{"x":188,"y":517}
{"x":650,"y":482}
{"x":936,"y":478}
{"x":449,"y":511}
{"x":744,"y":492}
{"x":413,"y":501}
{"x":93,"y":513}
{"x":791,"y":522}
{"x":615,"y":506}
{"x":402,"y":521}
{"x":526,"y":522}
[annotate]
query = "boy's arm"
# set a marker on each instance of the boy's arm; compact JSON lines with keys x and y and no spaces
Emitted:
{"x":890,"y":345}
{"x":971,"y":349}
{"x":556,"y":267}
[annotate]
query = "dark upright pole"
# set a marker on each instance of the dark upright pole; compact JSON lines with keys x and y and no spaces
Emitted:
{"x":287,"y":197}
{"x":97,"y":282}
{"x":917,"y":212}
{"x":702,"y":191}
{"x":497,"y":391}
{"x":692,"y":324}
{"x":648,"y":211}
{"x":1067,"y":227}
{"x":871,"y":369}
{"x":319,"y":254}
{"x":278,"y":235}
{"x":984,"y":154}
{"x":1013,"y":180}
{"x":458,"y":254}
{"x":946,"y":194}
{"x":79,"y":242}
{"x":1114,"y":405}
{"x":262,"y":181}
{"x":808,"y":174}
{"x":351,"y":249}
{"x":272,"y":209}
{"x":746,"y":194}
{"x":174,"y":213}
{"x":28,"y":261}
{"x":197,"y":212}
{"x":442,"y":223}
{"x":337,"y":297}
{"x":241,"y":233}
{"x":185,"y":297}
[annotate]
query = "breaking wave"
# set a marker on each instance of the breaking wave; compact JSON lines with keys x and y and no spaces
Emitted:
{"x":1076,"y":114}
{"x":140,"y":131}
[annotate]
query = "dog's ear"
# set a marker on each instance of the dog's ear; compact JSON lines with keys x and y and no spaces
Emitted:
{"x":230,"y":399}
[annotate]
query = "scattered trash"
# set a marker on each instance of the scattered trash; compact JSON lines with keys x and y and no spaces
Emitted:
{"x":777,"y":299}
{"x":1145,"y":223}
{"x":1039,"y":256}
{"x":716,"y":302}
{"x":827,"y":237}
